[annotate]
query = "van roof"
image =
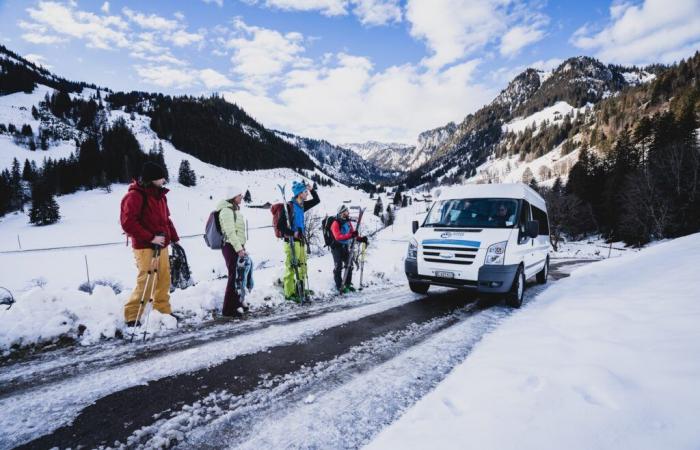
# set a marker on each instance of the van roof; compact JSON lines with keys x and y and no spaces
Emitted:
{"x":494,"y":190}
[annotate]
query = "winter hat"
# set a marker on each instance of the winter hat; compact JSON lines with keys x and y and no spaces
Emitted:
{"x":233,"y":191}
{"x":152,"y":171}
{"x":298,"y":187}
{"x":342,"y":209}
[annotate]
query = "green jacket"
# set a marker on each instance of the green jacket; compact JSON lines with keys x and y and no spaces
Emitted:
{"x":232,"y":225}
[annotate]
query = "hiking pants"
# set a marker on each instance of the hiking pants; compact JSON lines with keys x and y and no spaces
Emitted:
{"x":161,"y":293}
{"x":232,"y":301}
{"x":289,"y":277}
{"x":340,"y":258}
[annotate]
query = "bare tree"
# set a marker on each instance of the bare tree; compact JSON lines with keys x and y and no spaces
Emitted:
{"x":313,"y":232}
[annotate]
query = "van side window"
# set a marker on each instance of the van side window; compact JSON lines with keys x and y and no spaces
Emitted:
{"x":522,"y":222}
{"x":541,"y":217}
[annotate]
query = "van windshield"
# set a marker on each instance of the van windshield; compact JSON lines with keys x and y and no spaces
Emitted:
{"x":473,"y":213}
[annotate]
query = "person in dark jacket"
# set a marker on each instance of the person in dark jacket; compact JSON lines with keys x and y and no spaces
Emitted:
{"x":296,"y":208}
{"x":145,"y":217}
{"x":343,"y":234}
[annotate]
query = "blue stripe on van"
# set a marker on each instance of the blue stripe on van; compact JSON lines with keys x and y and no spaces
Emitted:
{"x":452,"y":242}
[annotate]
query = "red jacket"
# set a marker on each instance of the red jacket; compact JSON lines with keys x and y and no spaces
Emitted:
{"x":335,"y":229}
{"x":143,"y":222}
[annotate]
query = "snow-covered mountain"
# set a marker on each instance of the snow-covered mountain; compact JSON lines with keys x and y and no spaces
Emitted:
{"x":545,"y":99}
{"x":389,"y":156}
{"x":342,"y":163}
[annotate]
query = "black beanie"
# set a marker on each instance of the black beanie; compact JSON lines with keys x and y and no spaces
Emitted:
{"x":152,"y":171}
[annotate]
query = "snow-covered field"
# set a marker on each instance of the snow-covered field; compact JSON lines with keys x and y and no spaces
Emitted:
{"x":606,"y":359}
{"x":45,"y":283}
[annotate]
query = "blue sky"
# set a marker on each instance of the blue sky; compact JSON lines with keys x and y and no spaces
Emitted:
{"x":344,"y":70}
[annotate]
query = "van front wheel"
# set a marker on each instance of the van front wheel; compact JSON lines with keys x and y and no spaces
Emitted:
{"x":418,"y":288}
{"x":544,"y":273}
{"x":514,"y":298}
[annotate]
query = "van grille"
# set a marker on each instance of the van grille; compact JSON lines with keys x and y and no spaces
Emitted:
{"x":462,"y":255}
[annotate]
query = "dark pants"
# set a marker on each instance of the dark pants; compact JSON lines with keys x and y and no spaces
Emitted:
{"x":232,"y":301}
{"x":340,"y":258}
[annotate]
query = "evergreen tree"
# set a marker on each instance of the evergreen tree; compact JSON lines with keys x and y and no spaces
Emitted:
{"x":44,"y":209}
{"x":378,"y":206}
{"x":397,"y":197}
{"x":389,"y":216}
{"x":27,"y":171}
{"x":186,"y":175}
{"x":247,"y":198}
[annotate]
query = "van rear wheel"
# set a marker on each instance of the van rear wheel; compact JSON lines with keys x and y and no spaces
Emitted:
{"x":514,"y":298}
{"x":418,"y":288}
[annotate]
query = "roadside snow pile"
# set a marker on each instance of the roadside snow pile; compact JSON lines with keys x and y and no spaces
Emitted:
{"x":605,"y":359}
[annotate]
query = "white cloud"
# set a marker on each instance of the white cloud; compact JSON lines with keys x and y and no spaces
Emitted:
{"x":165,"y":58}
{"x":654,"y":31}
{"x":182,"y":77}
{"x":455,"y":29}
{"x":152,"y":21}
{"x":519,"y":37}
{"x":65,"y":21}
{"x":377,"y":12}
{"x":182,"y":38}
{"x":37,"y":59}
{"x":213,"y":79}
{"x":348,"y":100}
{"x":219,"y":3}
{"x":369,"y":12}
{"x":105,"y":7}
{"x":325,"y":7}
{"x":167,"y":77}
{"x":262,"y":52}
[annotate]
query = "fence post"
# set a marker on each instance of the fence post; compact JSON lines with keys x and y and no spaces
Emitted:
{"x":609,"y":250}
{"x":19,"y":242}
{"x":87,"y":271}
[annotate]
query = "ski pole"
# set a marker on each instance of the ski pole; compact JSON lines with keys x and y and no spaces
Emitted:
{"x":156,"y":260}
{"x":143,"y":295}
{"x":362,"y":263}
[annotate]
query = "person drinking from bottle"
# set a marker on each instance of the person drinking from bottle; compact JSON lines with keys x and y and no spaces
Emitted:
{"x":296,"y":208}
{"x":145,"y":217}
{"x":232,"y":225}
{"x":343,"y":234}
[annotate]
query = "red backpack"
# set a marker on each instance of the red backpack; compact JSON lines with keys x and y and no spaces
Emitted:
{"x":277,"y":213}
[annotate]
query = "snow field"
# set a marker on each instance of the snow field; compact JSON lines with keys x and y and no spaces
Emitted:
{"x":605,"y":359}
{"x":45,"y":283}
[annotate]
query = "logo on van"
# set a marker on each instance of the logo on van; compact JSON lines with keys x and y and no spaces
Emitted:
{"x":445,"y":235}
{"x":447,"y":255}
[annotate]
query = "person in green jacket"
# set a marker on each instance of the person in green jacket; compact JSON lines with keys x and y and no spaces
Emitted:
{"x":233,"y":228}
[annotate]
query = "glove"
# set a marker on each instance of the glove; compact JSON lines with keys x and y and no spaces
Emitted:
{"x":363,"y":240}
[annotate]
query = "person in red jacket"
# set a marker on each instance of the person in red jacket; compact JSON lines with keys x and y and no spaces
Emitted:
{"x":343,"y":234}
{"x":145,"y":217}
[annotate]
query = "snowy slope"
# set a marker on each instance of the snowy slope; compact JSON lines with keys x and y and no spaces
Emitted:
{"x":46,"y":283}
{"x":552,"y":114}
{"x":605,"y":359}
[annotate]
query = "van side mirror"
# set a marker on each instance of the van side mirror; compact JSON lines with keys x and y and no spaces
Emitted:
{"x":414,"y":226}
{"x":532,"y":228}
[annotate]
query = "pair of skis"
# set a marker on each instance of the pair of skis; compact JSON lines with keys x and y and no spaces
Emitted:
{"x":349,"y":262}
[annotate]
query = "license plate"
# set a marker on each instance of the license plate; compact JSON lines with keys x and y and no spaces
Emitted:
{"x":440,"y":274}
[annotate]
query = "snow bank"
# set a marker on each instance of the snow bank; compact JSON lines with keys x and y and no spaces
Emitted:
{"x":606,"y":359}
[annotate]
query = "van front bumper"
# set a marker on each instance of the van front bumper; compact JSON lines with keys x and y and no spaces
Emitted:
{"x":496,"y":279}
{"x":492,"y":279}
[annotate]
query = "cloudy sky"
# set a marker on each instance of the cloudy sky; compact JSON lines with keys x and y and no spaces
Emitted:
{"x":343,"y":70}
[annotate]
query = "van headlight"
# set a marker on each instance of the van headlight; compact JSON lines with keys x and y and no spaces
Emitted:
{"x":496,"y":253}
{"x":412,"y":249}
